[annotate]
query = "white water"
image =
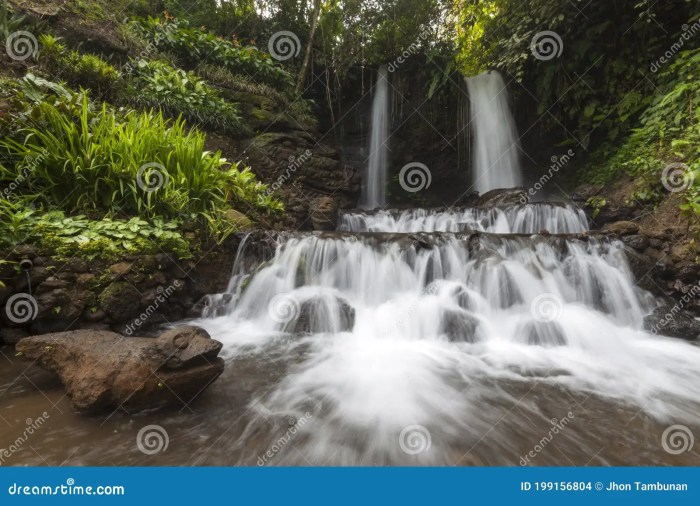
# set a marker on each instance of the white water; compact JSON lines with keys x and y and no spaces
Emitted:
{"x":526,"y":219}
{"x":374,"y":186}
{"x":495,"y":162}
{"x":452,"y":332}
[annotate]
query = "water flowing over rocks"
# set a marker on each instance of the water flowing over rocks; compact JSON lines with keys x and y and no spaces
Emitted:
{"x":400,"y":309}
{"x":104,"y":371}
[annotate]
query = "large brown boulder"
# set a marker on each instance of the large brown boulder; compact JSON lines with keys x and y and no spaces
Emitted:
{"x":103,"y":370}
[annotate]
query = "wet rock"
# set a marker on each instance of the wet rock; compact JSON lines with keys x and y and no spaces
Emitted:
{"x":547,"y":334}
{"x":301,"y":170}
{"x":52,"y":283}
{"x":621,"y":228}
{"x":637,"y":242}
{"x":324,"y":213}
{"x":460,"y":326}
{"x":321,"y":314}
{"x":673,"y":321}
{"x":103,"y":370}
{"x":503,"y":197}
{"x":120,"y":301}
{"x":186,"y":346}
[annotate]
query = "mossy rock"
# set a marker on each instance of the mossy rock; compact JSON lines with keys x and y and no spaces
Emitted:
{"x":238,"y":219}
{"x":120,"y":301}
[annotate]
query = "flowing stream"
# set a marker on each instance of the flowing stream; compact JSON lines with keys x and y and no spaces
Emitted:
{"x":374,"y":186}
{"x":495,"y":161}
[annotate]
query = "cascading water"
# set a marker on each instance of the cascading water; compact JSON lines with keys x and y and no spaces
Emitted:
{"x":374,"y":186}
{"x":526,"y":219}
{"x":431,"y":331}
{"x":495,"y":162}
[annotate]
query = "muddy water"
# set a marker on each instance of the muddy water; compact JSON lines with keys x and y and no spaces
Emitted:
{"x":514,"y":425}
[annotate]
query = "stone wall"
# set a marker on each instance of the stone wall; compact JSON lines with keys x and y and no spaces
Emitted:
{"x":133,"y":296}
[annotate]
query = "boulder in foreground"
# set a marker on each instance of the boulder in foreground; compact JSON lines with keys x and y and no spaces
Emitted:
{"x":103,"y":370}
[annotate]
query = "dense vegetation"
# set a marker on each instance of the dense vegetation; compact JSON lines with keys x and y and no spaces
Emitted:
{"x":621,"y":85}
{"x":104,"y":159}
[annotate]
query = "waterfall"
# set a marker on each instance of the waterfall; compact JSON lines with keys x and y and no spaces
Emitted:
{"x":525,"y":219}
{"x":495,"y":161}
{"x":374,"y":187}
{"x":447,"y":320}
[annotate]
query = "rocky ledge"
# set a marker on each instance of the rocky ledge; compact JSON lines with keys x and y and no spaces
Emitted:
{"x":103,"y":370}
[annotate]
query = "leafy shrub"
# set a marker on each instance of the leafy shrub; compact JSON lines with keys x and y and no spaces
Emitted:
{"x":77,"y":158}
{"x":86,"y":70}
{"x":195,"y":46}
{"x":67,"y":236}
{"x":157,"y":85}
{"x":669,"y":133}
{"x":78,"y":235}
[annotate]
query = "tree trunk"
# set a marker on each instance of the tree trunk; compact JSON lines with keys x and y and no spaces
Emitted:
{"x":309,"y":47}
